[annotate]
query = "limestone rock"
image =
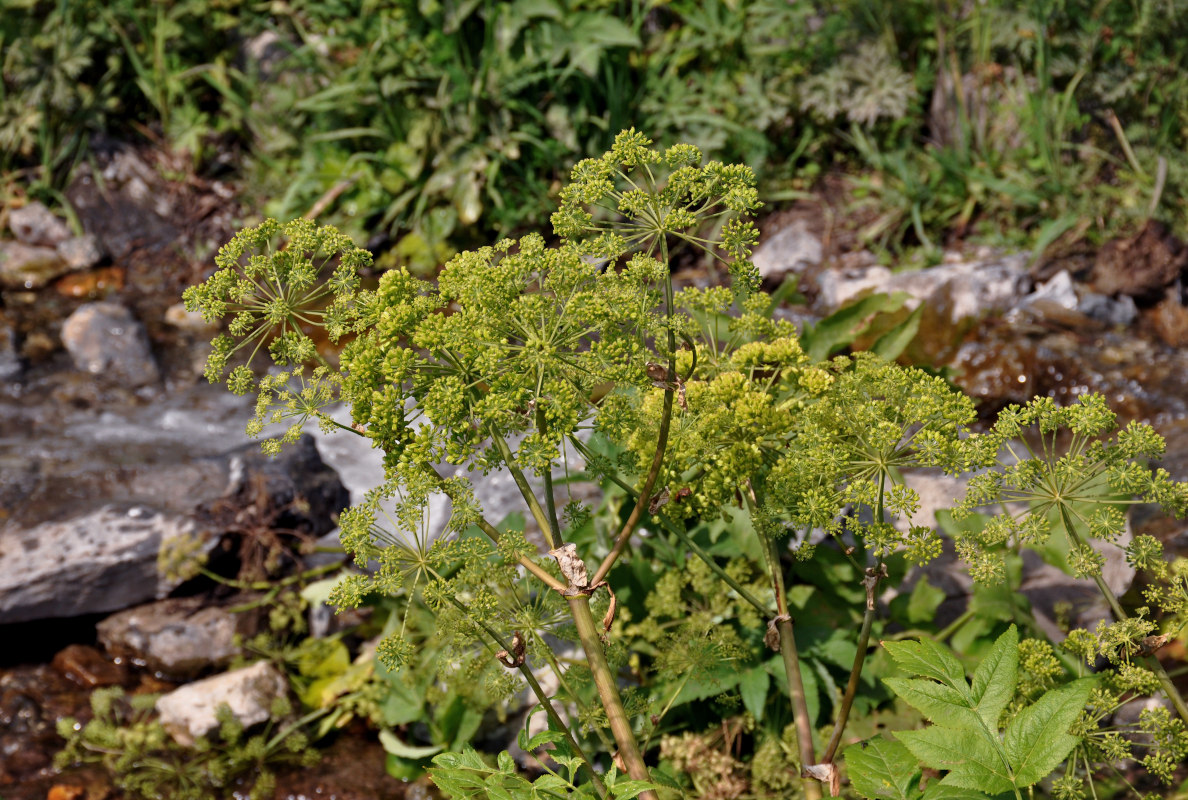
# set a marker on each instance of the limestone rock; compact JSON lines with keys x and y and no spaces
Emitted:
{"x":35,"y":224}
{"x":100,"y":561}
{"x":105,"y":339}
{"x":177,"y":637}
{"x":968,"y":289}
{"x":791,"y":249}
{"x":190,"y":712}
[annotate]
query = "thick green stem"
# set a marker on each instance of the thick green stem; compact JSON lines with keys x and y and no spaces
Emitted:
{"x":783,"y":625}
{"x":1165,"y":681}
{"x":608,"y":691}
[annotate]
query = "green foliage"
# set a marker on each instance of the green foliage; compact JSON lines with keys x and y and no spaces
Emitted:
{"x":145,"y":761}
{"x":708,"y":423}
{"x":966,"y":741}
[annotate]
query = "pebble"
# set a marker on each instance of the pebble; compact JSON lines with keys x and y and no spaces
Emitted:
{"x":177,"y":637}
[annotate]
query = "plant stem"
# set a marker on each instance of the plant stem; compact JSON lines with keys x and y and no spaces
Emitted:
{"x":542,"y":697}
{"x":804,"y":728}
{"x":608,"y":691}
{"x":645,"y":491}
{"x":1165,"y":681}
{"x":871,"y":582}
{"x":525,"y":488}
{"x":550,"y":501}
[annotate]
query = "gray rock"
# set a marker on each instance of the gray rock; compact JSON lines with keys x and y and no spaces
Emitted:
{"x":178,"y":638}
{"x":791,"y":249}
{"x":35,"y":224}
{"x":100,"y":561}
{"x":1114,"y":312}
{"x":1057,"y":291}
{"x":969,"y":289}
{"x":10,"y":360}
{"x":25,"y":266}
{"x":105,"y":339}
{"x":190,"y":712}
{"x":81,"y":252}
{"x":100,"y":553}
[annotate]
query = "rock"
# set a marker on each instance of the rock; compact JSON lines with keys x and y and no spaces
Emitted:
{"x":997,"y":372}
{"x":1170,"y":320}
{"x":791,"y":249}
{"x":87,"y":667}
{"x":10,"y":361}
{"x":1057,"y":291}
{"x":35,"y":224}
{"x":81,"y":252}
{"x":100,"y":561}
{"x":190,"y":712}
{"x":1141,"y":266}
{"x":120,"y":496}
{"x":1114,"y":313}
{"x":190,"y":321}
{"x":105,"y":339}
{"x":972,"y":288}
{"x":178,"y":638}
{"x":93,"y":285}
{"x":24,"y":266}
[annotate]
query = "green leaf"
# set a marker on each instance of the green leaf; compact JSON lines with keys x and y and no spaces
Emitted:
{"x":629,"y":790}
{"x":881,"y":768}
{"x":923,"y":601}
{"x":993,"y":683}
{"x":942,"y":791}
{"x":970,"y":755}
{"x":941,"y":704}
{"x":753,"y":688}
{"x":930,"y":659}
{"x":1038,"y":739}
{"x":895,"y":341}
{"x":846,"y":324}
{"x":393,"y":744}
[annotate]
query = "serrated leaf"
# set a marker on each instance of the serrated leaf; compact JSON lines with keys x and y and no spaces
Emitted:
{"x":1037,"y":740}
{"x":539,"y":740}
{"x":629,"y":790}
{"x":881,"y":768}
{"x":941,"y":704}
{"x":929,"y":659}
{"x":970,"y":756}
{"x":753,"y":688}
{"x":941,"y":791}
{"x":993,"y":683}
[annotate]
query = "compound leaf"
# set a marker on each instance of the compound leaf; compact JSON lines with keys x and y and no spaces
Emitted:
{"x":1038,"y":739}
{"x":881,"y":768}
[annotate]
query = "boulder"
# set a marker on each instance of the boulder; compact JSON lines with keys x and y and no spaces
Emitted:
{"x":1142,"y":265}
{"x":105,"y":339}
{"x":37,"y":225}
{"x":191,"y":711}
{"x":178,"y":638}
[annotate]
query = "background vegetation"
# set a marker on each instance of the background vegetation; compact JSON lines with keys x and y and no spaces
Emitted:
{"x":431,"y":125}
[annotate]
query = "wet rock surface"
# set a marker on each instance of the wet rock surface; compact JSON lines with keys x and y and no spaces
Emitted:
{"x":190,"y":711}
{"x":177,"y":638}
